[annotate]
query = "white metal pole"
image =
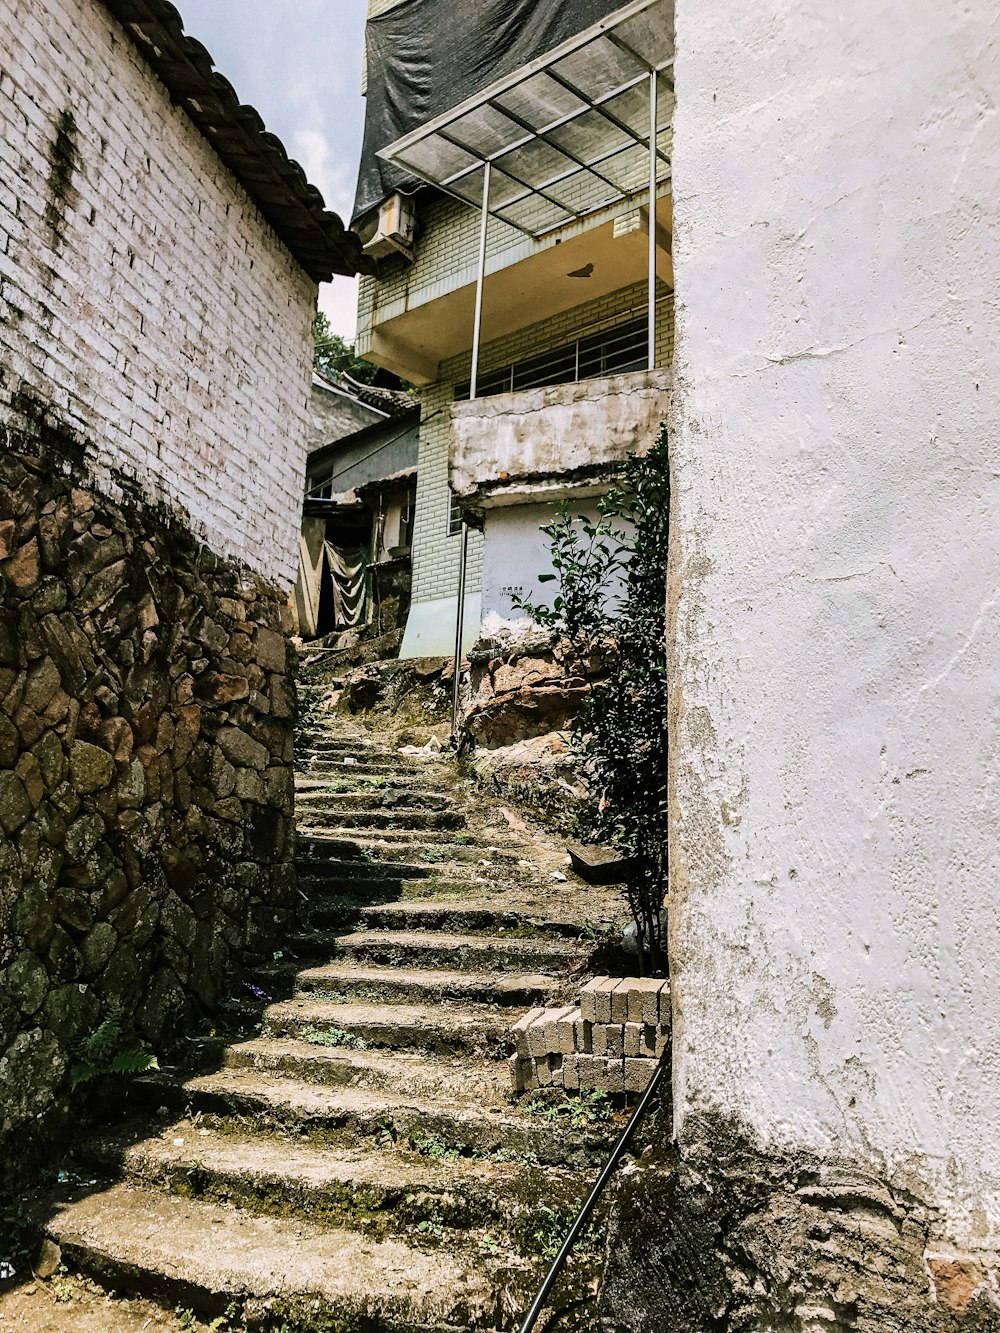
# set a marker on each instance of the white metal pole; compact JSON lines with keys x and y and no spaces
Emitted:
{"x":652,"y":218}
{"x":480,"y":279}
{"x":456,"y":684}
{"x":477,"y":329}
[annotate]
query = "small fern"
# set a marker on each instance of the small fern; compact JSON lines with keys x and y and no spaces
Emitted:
{"x":100,"y":1054}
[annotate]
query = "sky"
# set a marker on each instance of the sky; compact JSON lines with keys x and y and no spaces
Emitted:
{"x":300,"y":66}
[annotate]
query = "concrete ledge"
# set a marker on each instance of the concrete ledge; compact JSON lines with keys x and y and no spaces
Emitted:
{"x":540,"y":441}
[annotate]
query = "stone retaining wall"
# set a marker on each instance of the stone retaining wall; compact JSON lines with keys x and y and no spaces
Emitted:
{"x":146,"y":790}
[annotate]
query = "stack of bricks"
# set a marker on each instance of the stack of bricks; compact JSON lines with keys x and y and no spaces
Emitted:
{"x":609,"y":1042}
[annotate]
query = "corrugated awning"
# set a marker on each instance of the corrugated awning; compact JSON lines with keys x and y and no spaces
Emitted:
{"x":566,"y":135}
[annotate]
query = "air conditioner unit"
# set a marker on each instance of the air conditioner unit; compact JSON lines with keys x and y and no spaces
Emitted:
{"x":396,"y":229}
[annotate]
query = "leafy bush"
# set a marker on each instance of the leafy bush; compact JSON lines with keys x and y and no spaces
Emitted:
{"x":610,"y":608}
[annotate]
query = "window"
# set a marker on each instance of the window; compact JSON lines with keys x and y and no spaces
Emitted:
{"x":454,"y":515}
{"x":610,"y":352}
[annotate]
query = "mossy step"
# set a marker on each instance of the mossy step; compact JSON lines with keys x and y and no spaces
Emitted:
{"x":466,"y":915}
{"x":432,"y":847}
{"x":383,"y":800}
{"x":311,"y":863}
{"x":380,"y":909}
{"x":359,"y":767}
{"x":423,"y":986}
{"x":444,"y":1028}
{"x":244,"y":1101}
{"x":381,"y":1193}
{"x":306,"y":783}
{"x":197,"y":1255}
{"x":403,"y":818}
{"x":402,"y":1073}
{"x":372,"y":754}
{"x":500,"y":953}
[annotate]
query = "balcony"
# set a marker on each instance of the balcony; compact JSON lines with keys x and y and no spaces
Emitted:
{"x":549,"y":443}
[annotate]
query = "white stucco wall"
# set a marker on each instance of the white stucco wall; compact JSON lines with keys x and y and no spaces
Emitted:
{"x":143,"y":299}
{"x":836,"y":444}
{"x":515,"y":552}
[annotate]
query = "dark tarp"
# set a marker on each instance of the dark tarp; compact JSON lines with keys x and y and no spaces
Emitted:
{"x":426,"y":56}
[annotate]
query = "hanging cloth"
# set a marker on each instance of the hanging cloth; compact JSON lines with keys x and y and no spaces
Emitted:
{"x":349,"y":575}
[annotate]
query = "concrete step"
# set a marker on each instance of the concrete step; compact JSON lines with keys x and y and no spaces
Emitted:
{"x":306,"y":783}
{"x":367,"y":1117}
{"x":380,"y":1193}
{"x":447,"y":1029}
{"x":386,"y":800}
{"x":405,"y":819}
{"x":376,"y":910}
{"x":351,"y":765}
{"x":199,"y":1254}
{"x":314,"y":866}
{"x":343,"y":982}
{"x":498,"y":953}
{"x":324,"y":752}
{"x":401,"y":1073}
{"x":432,"y":848}
{"x":467,"y":915}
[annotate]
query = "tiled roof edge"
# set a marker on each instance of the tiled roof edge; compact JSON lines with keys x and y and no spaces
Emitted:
{"x":295,"y":209}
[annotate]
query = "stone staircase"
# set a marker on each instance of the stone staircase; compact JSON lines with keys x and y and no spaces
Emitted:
{"x":343,"y":1153}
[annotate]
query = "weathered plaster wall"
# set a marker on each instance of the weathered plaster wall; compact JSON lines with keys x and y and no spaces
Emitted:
{"x":516,"y":551}
{"x":141,"y":294}
{"x":511,"y":447}
{"x":836,"y":450}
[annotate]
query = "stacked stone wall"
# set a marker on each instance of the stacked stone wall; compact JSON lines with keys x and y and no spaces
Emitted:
{"x":146,"y":790}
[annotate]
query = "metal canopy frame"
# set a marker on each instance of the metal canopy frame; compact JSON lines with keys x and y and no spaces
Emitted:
{"x":564,"y":136}
{"x":582,"y":128}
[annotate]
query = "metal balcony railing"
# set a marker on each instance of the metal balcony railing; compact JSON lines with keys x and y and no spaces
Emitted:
{"x":611,"y":352}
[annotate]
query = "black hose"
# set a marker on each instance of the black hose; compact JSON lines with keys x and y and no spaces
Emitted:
{"x":559,"y":1261}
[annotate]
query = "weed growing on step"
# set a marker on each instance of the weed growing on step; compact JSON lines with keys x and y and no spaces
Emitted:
{"x":588,"y":1108}
{"x":432,"y":1145}
{"x":489,"y":1245}
{"x":523,"y":1158}
{"x":334,"y":1037}
{"x":543,"y":1231}
{"x":432,"y":1226}
{"x":61,"y":1286}
{"x":593,"y":931}
{"x":434,"y":854}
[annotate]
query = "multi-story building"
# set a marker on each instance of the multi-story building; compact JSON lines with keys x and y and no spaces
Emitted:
{"x":505,"y":189}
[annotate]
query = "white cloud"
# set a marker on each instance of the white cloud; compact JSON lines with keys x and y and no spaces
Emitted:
{"x":311,"y":149}
{"x":339,"y":302}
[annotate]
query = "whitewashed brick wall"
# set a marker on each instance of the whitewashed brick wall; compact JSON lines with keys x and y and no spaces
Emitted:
{"x":142,"y":295}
